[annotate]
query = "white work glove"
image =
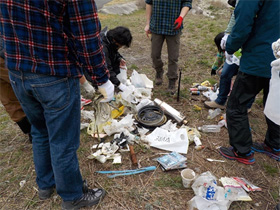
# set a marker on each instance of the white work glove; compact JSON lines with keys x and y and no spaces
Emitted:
{"x":276,"y":48}
{"x":88,"y":87}
{"x":122,"y":87}
{"x":275,"y":65}
{"x":107,"y":90}
{"x":224,"y":41}
{"x":229,"y":58}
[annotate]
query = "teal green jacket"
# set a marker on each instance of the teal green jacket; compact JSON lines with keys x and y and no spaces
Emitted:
{"x":257,"y":26}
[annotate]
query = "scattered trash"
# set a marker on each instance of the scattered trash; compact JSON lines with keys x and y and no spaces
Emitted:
{"x":188,"y":175}
{"x":127,"y":172}
{"x":209,"y":195}
{"x":233,"y":190}
{"x":150,"y":117}
{"x":197,"y":108}
{"x":213,"y":113}
{"x":211,"y":95}
{"x":248,"y":186}
{"x":195,"y":92}
{"x":115,"y":126}
{"x":22,"y":183}
{"x":206,"y":83}
{"x":213,"y":160}
{"x":84,"y":125}
{"x":209,"y":128}
{"x":198,"y":144}
{"x":176,"y":141}
{"x":172,"y":161}
{"x":133,"y":155}
{"x":170,"y":110}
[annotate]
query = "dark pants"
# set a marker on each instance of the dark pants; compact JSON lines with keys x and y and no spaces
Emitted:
{"x":245,"y":88}
{"x":173,"y":44}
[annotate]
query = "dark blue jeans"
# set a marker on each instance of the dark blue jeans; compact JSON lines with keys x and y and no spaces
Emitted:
{"x":245,"y":88}
{"x":225,"y":81}
{"x":228,"y":71}
{"x":52,"y":105}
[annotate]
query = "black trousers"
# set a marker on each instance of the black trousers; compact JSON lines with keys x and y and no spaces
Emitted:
{"x":245,"y":88}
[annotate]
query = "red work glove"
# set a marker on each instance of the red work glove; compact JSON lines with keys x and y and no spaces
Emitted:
{"x":178,"y":23}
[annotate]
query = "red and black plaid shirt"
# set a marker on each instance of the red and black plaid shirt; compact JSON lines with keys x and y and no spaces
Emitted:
{"x":53,"y":37}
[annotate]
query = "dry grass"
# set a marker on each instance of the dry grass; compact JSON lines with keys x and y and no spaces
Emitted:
{"x":158,"y":189}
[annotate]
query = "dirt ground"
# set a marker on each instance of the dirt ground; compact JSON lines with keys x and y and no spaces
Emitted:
{"x":157,"y":189}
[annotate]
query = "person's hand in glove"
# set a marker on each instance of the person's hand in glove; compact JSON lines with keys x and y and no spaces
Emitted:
{"x":224,"y":42}
{"x":213,"y":72}
{"x":122,"y":87}
{"x":229,"y":58}
{"x":276,"y":48}
{"x":276,"y":65}
{"x":178,"y":23}
{"x":88,"y":88}
{"x":107,"y":90}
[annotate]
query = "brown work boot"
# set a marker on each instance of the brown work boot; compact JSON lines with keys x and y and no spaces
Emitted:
{"x":158,"y":79}
{"x":172,"y":86}
{"x":213,"y":105}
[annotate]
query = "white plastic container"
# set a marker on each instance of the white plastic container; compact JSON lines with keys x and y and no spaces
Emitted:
{"x":170,"y":110}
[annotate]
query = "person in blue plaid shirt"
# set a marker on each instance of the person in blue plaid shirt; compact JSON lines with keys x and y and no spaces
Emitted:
{"x":47,"y":44}
{"x":164,"y":20}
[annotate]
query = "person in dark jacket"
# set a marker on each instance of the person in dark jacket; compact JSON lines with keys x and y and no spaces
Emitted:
{"x":256,"y":28}
{"x":112,"y":41}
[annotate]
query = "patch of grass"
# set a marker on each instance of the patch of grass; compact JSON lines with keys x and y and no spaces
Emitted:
{"x":275,"y":193}
{"x":169,"y":181}
{"x":133,"y":66}
{"x":272,"y":171}
{"x":259,"y":102}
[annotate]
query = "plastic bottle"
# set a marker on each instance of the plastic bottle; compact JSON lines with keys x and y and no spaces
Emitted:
{"x":202,"y":88}
{"x":209,"y":128}
{"x":198,"y":144}
{"x":213,"y":113}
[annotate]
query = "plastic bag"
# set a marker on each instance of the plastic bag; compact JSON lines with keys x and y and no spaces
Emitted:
{"x":272,"y":105}
{"x":176,"y":141}
{"x":122,"y":76}
{"x":209,"y":195}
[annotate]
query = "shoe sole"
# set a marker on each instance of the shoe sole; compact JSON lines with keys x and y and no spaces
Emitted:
{"x":269,"y":154}
{"x":241,"y":160}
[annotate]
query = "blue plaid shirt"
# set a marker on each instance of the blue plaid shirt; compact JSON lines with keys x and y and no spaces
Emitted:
{"x":164,"y":14}
{"x":57,"y":37}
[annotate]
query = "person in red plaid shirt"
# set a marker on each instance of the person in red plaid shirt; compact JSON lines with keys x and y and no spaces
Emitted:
{"x":47,"y":45}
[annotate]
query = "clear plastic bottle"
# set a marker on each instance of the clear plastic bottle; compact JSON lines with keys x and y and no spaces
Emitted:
{"x":213,"y":113}
{"x":209,"y":128}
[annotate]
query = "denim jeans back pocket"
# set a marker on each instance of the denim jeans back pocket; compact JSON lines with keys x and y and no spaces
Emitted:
{"x":53,"y":94}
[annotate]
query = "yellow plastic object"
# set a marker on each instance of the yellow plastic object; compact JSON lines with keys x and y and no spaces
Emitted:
{"x":197,"y":108}
{"x":206,"y":83}
{"x":117,"y":112}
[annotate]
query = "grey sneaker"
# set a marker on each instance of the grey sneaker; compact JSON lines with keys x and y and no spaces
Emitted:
{"x":213,"y":105}
{"x":90,"y":197}
{"x":45,"y":194}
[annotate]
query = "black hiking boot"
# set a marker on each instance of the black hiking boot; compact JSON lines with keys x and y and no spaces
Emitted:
{"x":158,"y":79}
{"x":45,"y":194}
{"x":90,"y":197}
{"x":172,"y":86}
